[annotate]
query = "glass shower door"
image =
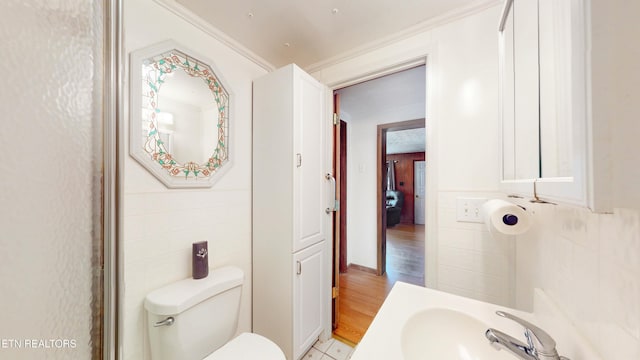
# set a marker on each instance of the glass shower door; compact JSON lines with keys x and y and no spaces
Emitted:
{"x":51,"y":184}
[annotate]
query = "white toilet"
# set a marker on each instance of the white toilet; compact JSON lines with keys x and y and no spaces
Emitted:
{"x":197,"y":319}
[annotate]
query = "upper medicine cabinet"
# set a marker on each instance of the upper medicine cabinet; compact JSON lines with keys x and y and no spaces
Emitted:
{"x":179,"y":116}
{"x":543,"y":99}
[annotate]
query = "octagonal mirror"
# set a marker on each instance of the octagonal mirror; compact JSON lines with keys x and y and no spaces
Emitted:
{"x":179,"y":116}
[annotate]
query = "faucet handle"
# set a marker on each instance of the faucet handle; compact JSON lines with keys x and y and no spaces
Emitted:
{"x":540,"y":342}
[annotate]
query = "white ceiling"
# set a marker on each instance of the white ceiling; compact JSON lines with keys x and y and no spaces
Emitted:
{"x":404,"y":89}
{"x":307,"y":32}
{"x":406,"y":141}
{"x":404,"y":92}
{"x":310,"y":32}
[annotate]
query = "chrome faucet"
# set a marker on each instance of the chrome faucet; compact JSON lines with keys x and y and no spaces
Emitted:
{"x":540,"y":346}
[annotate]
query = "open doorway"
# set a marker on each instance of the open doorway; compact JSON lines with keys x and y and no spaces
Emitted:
{"x":393,"y":102}
{"x":401,"y":239}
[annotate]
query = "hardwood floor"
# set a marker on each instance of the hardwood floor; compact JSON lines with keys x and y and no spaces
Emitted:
{"x":361,"y":295}
{"x":405,"y":253}
{"x":362,"y":292}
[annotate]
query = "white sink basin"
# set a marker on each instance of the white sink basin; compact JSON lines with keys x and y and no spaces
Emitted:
{"x":439,"y":333}
{"x":416,"y":323}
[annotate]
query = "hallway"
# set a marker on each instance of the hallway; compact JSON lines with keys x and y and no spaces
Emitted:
{"x":405,"y":253}
{"x":362,"y":292}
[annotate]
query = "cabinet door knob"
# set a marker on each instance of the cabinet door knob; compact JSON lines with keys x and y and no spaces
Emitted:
{"x":299,"y":267}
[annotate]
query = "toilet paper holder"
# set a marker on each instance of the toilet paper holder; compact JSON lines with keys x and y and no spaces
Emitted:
{"x":505,"y":217}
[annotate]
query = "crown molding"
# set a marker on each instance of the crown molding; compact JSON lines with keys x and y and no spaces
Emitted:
{"x":208,"y":28}
{"x":214,"y":32}
{"x":430,"y":24}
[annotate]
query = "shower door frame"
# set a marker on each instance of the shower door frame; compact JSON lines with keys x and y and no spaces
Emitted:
{"x":112,"y":160}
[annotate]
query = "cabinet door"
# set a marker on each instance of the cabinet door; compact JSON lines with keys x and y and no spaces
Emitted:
{"x":545,"y":97}
{"x":564,"y":104}
{"x":518,"y":35}
{"x":308,"y":297}
{"x":309,"y":157}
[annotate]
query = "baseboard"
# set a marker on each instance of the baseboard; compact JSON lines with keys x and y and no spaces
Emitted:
{"x":362,"y":268}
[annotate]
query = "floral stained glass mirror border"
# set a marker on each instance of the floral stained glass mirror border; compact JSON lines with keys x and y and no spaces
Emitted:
{"x":180,"y":112}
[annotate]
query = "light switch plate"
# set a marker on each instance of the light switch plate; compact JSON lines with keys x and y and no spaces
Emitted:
{"x":470,"y":210}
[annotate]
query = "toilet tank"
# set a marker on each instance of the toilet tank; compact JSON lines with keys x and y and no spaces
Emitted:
{"x":205,"y":315}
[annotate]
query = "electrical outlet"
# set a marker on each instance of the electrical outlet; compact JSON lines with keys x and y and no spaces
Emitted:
{"x":470,"y":210}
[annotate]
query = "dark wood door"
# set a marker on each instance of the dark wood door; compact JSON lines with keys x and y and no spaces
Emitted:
{"x":337,"y":215}
{"x":343,"y":196}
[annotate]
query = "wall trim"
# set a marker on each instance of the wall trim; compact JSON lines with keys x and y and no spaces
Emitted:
{"x":424,"y":26}
{"x":456,"y":14}
{"x":214,"y":32}
{"x":387,"y":69}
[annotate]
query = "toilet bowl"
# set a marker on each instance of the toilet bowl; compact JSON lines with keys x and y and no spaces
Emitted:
{"x":248,"y":346}
{"x":197,"y":319}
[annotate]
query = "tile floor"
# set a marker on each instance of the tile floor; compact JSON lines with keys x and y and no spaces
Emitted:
{"x":331,"y":349}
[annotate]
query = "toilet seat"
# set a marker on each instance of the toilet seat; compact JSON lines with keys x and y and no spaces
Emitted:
{"x":248,"y":346}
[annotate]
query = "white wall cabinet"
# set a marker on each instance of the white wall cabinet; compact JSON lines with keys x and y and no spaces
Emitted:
{"x":291,"y":277}
{"x":550,"y":135}
{"x":586,"y":75}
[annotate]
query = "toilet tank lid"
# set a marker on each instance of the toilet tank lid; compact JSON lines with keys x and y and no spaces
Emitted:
{"x":180,"y":296}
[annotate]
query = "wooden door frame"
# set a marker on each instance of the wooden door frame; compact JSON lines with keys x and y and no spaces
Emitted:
{"x":381,"y":243}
